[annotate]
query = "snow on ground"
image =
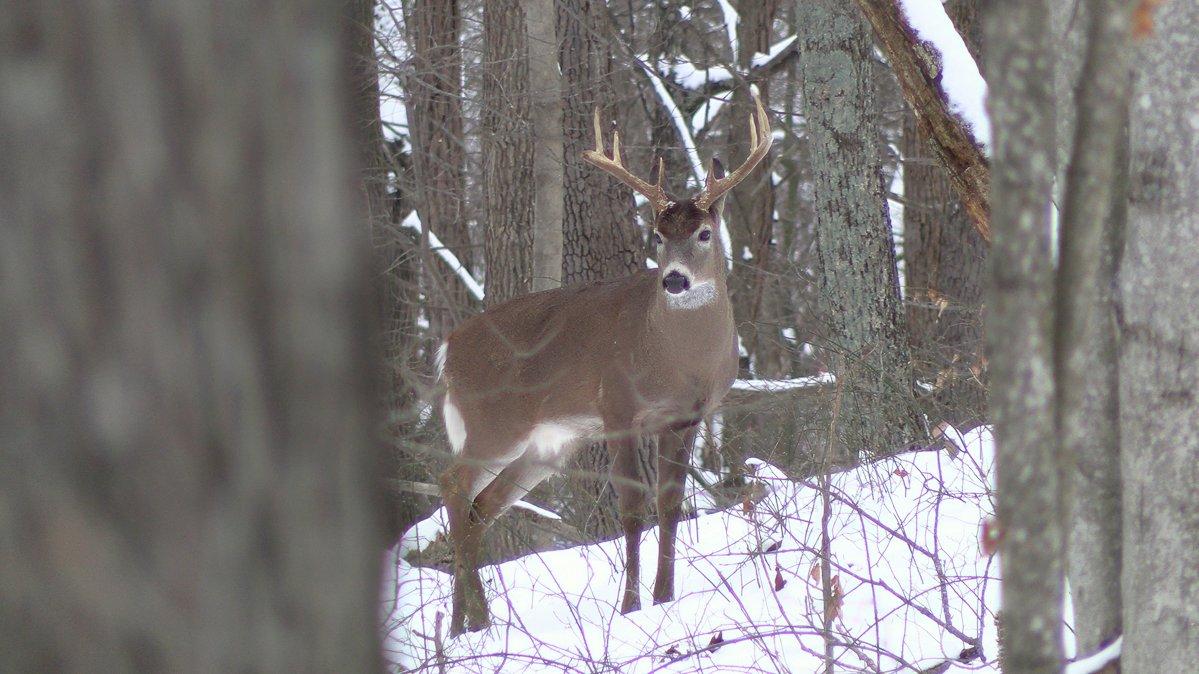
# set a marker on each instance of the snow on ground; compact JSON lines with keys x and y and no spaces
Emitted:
{"x":904,"y":544}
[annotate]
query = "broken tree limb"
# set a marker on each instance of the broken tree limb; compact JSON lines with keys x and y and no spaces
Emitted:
{"x":917,"y":68}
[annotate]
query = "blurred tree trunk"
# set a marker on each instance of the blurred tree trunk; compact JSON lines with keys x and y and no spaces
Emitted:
{"x":434,"y":89}
{"x":1094,"y":49}
{"x":545,"y":90}
{"x":507,"y":152}
{"x":750,"y":211}
{"x":396,"y":279}
{"x":186,"y":408}
{"x":1019,"y":53}
{"x":944,"y":258}
{"x":599,"y":228}
{"x":858,"y":279}
{"x":1159,"y":359}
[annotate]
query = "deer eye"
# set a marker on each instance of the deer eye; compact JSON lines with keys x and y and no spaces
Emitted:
{"x":657,"y":238}
{"x":705,"y":235}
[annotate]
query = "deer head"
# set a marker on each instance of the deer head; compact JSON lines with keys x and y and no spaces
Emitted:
{"x":687,"y":232}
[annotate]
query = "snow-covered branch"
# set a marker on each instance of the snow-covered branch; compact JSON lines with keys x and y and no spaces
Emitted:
{"x":940,"y":83}
{"x":474,"y":287}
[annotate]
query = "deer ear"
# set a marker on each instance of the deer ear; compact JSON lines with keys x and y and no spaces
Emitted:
{"x":716,"y":173}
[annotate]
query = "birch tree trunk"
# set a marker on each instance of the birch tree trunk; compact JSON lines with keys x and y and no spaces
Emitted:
{"x":186,"y":422}
{"x":858,"y":279}
{"x":1159,"y":360}
{"x":1018,"y":333}
{"x":1095,"y":63}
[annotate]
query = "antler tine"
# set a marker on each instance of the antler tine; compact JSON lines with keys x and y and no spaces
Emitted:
{"x":614,"y":166}
{"x":760,"y":139}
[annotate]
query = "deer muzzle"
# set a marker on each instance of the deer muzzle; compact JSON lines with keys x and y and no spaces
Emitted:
{"x":676,"y":283}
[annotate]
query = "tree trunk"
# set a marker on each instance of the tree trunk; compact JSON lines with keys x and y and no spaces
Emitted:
{"x":1085,"y":349}
{"x":858,"y":279}
{"x":1159,"y":360}
{"x":1018,"y":334}
{"x":545,"y":90}
{"x":599,"y":230}
{"x":507,"y":152}
{"x":944,"y":259}
{"x":185,"y":412}
{"x":434,"y":89}
{"x":750,"y":209}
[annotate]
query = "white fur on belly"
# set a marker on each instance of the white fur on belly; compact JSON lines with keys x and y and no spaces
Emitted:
{"x":455,"y":426}
{"x":698,"y":295}
{"x":550,"y":438}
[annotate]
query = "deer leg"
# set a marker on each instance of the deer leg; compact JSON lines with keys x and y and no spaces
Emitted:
{"x":630,"y":494}
{"x":674,"y":455}
{"x":465,"y":532}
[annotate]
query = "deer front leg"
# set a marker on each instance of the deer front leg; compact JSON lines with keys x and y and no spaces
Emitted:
{"x":674,"y":455}
{"x":465,"y":533}
{"x":630,"y":495}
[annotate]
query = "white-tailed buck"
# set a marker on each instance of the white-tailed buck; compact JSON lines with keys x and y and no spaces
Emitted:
{"x":530,"y":380}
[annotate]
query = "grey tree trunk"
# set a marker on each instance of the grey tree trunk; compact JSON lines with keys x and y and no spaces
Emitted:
{"x":1159,"y":360}
{"x":507,"y":152}
{"x":944,"y":264}
{"x":749,"y":212}
{"x":545,"y":89}
{"x":1018,"y":58}
{"x":1086,"y":355}
{"x":599,"y":230}
{"x":396,"y":276}
{"x":434,"y":91}
{"x":858,"y":279}
{"x":186,"y":421}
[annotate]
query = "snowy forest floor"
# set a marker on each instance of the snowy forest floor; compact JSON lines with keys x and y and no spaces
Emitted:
{"x":913,"y":590}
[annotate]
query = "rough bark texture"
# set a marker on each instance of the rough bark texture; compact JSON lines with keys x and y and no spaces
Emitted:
{"x":1018,"y":333}
{"x":434,"y":89}
{"x":545,"y":90}
{"x":1085,"y":350}
{"x":185,"y":427}
{"x":599,"y":230}
{"x":1159,"y":363}
{"x":919,"y":79}
{"x":858,"y":280}
{"x":750,"y":209}
{"x":507,"y":152}
{"x":944,"y":264}
{"x":396,"y":273}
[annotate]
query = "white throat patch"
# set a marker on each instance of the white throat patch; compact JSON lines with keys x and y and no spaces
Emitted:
{"x":698,"y":295}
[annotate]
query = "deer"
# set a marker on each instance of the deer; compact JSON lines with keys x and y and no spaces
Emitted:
{"x":529,"y":381}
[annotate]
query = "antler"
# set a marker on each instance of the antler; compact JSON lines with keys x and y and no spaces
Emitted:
{"x":615,"y":167}
{"x":760,"y":139}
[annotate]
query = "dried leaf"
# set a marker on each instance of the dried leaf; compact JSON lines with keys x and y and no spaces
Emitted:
{"x":779,"y":581}
{"x":773,"y":546}
{"x":833,"y":610}
{"x":901,"y":472}
{"x":717,"y":639}
{"x":991,"y":537}
{"x":673,"y":652}
{"x":1142,"y":18}
{"x":814,"y":574}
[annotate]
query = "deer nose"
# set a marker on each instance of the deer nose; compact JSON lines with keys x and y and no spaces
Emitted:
{"x":676,"y":283}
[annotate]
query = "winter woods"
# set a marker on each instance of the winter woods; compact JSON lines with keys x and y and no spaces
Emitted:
{"x":962,"y":433}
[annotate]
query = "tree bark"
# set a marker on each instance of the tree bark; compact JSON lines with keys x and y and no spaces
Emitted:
{"x":1018,"y":334}
{"x":545,"y":90}
{"x":919,"y":79}
{"x":858,"y":278}
{"x":599,"y":230}
{"x":944,"y":263}
{"x":1159,"y":360}
{"x":434,"y":89}
{"x":186,"y":424}
{"x":750,"y":208}
{"x":1086,"y":354}
{"x":507,"y":152}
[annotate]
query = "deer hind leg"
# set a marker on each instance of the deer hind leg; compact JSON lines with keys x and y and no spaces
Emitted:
{"x":474,"y":517}
{"x":674,"y":455}
{"x":630,"y":491}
